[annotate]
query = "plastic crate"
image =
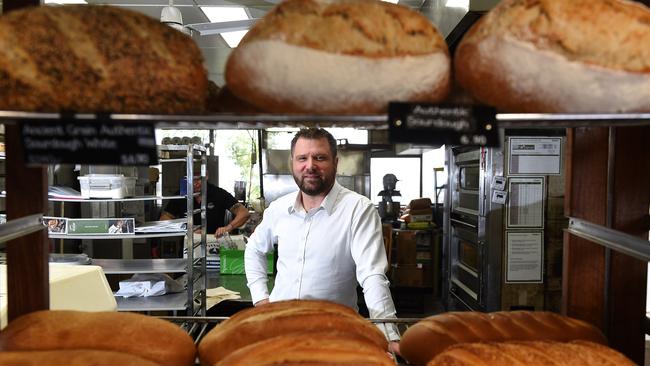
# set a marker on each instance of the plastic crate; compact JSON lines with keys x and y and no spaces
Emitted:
{"x":106,"y":186}
{"x":231,"y":261}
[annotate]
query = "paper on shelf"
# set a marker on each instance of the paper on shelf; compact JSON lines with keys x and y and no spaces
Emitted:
{"x":148,"y":284}
{"x":165,"y":226}
{"x":63,"y":192}
{"x":216,"y":295}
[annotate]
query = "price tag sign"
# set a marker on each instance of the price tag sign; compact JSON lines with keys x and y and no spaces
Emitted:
{"x":101,"y":142}
{"x":443,"y":124}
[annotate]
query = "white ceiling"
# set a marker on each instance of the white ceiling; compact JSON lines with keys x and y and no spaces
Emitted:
{"x":215,"y":49}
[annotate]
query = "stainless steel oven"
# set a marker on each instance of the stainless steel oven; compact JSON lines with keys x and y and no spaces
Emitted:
{"x":466,"y":183}
{"x":472,"y":230}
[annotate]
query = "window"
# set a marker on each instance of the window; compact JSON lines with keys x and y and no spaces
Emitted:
{"x":237,"y":151}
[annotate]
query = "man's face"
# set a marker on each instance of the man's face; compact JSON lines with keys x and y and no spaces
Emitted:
{"x":313,"y":166}
{"x":197,"y":185}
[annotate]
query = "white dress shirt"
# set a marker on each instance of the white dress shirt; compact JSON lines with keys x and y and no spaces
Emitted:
{"x":322,"y":252}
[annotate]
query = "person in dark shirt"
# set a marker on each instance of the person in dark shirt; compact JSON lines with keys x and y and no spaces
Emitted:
{"x":218,"y":201}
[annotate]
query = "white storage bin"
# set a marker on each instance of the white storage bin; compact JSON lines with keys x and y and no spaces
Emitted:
{"x":106,"y":186}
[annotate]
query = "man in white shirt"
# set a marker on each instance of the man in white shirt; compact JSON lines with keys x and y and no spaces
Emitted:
{"x":329,"y":238}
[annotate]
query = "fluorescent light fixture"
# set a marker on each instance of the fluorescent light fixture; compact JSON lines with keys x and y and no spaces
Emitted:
{"x":458,"y":4}
{"x":391,"y":1}
{"x":65,"y":2}
{"x":233,"y":38}
{"x":219,"y":14}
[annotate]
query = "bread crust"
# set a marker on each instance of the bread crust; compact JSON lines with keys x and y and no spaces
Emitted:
{"x":429,"y":337}
{"x":72,"y":358}
{"x":97,"y":59}
{"x":140,"y":335}
{"x":532,"y":353}
{"x":310,"y":348}
{"x":559,"y":56}
{"x":280,"y":318}
{"x":290,"y":62}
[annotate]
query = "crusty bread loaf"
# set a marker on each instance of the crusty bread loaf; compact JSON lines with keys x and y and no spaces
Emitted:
{"x":154,"y":339}
{"x":559,"y":56}
{"x":532,"y":353}
{"x":310,"y":348}
{"x":225,"y":102}
{"x":97,"y":59}
{"x":339,"y":56}
{"x":430,"y":336}
{"x":72,"y":358}
{"x":284,"y":317}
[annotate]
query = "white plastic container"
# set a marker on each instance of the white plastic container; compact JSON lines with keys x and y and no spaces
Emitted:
{"x":106,"y":186}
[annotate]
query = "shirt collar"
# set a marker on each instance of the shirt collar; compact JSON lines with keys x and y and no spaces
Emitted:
{"x":327,"y":204}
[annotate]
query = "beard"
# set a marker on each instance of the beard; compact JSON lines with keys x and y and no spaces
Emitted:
{"x":313,"y":185}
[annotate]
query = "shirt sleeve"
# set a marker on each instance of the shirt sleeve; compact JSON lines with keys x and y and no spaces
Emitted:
{"x":259,"y":245}
{"x":370,"y":257}
{"x":227,"y":199}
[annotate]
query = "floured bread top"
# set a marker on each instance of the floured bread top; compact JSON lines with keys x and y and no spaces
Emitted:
{"x":610,"y":33}
{"x":354,"y":27}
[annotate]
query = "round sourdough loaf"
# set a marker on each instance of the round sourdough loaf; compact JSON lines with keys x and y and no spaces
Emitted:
{"x":580,"y":56}
{"x":310,"y":348}
{"x":431,"y":336}
{"x":533,"y":353}
{"x":339,"y":56}
{"x":284,"y":317}
{"x":72,"y":358}
{"x":153,"y":339}
{"x":97,"y":59}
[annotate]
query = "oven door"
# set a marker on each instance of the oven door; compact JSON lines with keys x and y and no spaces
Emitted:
{"x":466,"y":182}
{"x":466,"y":264}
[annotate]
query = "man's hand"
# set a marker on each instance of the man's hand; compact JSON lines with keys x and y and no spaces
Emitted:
{"x":222,"y":231}
{"x":262,"y":302}
{"x":394,"y":348}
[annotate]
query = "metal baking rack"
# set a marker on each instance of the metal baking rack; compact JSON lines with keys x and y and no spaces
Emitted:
{"x":22,"y":226}
{"x":197,"y":326}
{"x":611,"y":239}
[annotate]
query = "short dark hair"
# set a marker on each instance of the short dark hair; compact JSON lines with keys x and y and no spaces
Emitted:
{"x":315,"y":134}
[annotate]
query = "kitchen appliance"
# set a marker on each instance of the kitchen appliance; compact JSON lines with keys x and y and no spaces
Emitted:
{"x":472,"y":223}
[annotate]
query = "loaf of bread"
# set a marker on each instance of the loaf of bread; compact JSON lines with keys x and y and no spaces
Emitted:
{"x":153,"y":339}
{"x":72,"y":358}
{"x":97,"y":59}
{"x":430,"y":336}
{"x":225,"y":102}
{"x":532,"y":353}
{"x":581,"y":56}
{"x":284,"y":317}
{"x":310,"y":348}
{"x":339,"y":56}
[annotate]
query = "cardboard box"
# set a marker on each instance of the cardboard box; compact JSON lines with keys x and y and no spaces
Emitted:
{"x":112,"y":226}
{"x":412,"y":275}
{"x":232,"y":261}
{"x":406,"y":247}
{"x":407,"y":276}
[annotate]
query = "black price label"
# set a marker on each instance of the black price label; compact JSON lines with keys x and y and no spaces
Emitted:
{"x":101,"y":142}
{"x":436,"y":124}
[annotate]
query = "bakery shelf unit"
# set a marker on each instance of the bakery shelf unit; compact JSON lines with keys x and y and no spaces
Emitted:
{"x":192,"y":264}
{"x":590,"y":289}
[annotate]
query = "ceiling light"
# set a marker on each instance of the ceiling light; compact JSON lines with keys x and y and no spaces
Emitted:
{"x":458,"y":4}
{"x":219,"y":14}
{"x":391,"y":1}
{"x":233,"y":38}
{"x":65,"y":2}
